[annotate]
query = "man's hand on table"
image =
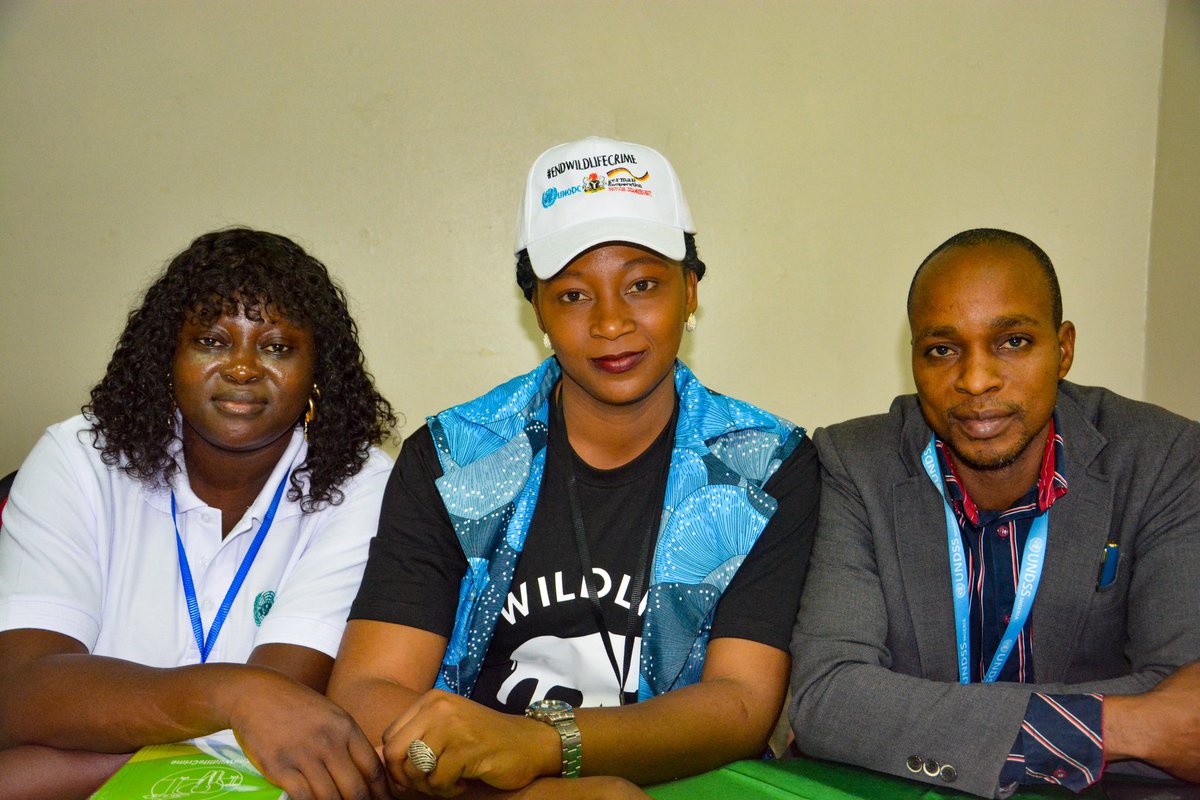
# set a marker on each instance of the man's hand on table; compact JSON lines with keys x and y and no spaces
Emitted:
{"x":1161,"y":726}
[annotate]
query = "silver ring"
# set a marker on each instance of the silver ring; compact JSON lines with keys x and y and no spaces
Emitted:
{"x":422,"y":756}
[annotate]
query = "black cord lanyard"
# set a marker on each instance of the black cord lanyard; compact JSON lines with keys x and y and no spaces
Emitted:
{"x":649,"y":539}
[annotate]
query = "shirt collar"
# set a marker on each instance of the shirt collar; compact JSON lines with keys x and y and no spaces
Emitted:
{"x":1051,"y":483}
{"x":186,"y":500}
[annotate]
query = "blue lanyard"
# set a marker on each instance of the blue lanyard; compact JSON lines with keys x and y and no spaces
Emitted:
{"x":189,"y":588}
{"x":1027,"y":585}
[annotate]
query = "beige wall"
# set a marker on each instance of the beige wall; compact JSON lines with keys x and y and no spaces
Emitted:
{"x":825,"y":147}
{"x":1173,"y":319}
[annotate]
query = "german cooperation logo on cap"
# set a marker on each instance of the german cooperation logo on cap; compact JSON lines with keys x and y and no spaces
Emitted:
{"x":585,"y":193}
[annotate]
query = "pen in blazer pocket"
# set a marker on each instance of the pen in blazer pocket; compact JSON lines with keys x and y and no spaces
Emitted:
{"x":1108,"y":565}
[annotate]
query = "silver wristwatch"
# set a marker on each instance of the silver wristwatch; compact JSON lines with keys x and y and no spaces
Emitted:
{"x":562,"y":717}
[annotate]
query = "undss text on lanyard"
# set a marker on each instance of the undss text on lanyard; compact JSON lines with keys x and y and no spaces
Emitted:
{"x":205,"y":644}
{"x":1028,"y":578}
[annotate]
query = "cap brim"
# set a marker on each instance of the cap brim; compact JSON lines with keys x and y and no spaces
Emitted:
{"x":550,"y":254}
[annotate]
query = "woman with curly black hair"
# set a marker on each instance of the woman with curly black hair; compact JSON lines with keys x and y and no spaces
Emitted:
{"x":236,"y":414}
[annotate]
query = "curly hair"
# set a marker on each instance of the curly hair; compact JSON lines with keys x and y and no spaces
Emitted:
{"x":240,"y":271}
{"x":527,"y":280}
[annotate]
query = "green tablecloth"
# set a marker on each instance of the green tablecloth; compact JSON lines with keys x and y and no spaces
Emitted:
{"x":818,"y":780}
{"x":212,"y":766}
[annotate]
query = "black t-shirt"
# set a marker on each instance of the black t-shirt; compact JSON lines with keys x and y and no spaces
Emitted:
{"x":546,"y":642}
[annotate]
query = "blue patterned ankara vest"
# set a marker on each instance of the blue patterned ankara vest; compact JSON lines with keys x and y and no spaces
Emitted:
{"x":493,"y":452}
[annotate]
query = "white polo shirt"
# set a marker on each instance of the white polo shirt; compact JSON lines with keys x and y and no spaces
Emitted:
{"x":89,"y":552}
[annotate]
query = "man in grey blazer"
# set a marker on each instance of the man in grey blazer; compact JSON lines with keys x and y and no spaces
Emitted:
{"x":1062,"y":567}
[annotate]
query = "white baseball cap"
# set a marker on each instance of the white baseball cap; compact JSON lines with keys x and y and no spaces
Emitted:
{"x":598,"y":190}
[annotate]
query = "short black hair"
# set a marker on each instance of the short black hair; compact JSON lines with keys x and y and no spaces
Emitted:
{"x":981,"y":236}
{"x":230,"y":272}
{"x":527,"y":280}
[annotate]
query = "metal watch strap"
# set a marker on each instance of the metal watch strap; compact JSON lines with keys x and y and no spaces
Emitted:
{"x":562,"y":717}
{"x":572,"y":745}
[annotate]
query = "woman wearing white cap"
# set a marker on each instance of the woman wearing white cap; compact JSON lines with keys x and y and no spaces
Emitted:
{"x":592,"y":569}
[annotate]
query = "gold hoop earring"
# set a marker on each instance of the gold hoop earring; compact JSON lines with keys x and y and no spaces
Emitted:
{"x":312,"y":409}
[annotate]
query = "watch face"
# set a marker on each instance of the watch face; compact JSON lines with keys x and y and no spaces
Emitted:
{"x":549,"y":706}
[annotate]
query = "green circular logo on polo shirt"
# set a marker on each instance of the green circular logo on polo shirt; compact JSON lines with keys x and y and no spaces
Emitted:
{"x":262,"y":605}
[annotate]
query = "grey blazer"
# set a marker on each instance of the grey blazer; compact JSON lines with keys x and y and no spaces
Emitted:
{"x":874,"y":679}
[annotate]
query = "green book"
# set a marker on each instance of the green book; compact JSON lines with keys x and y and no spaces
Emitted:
{"x":208,"y":767}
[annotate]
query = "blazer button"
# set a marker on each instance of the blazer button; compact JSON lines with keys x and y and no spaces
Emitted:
{"x":915,"y":763}
{"x":948,"y":773}
{"x":931,"y":768}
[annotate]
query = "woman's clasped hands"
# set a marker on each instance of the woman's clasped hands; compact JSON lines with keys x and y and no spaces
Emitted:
{"x":480,"y":752}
